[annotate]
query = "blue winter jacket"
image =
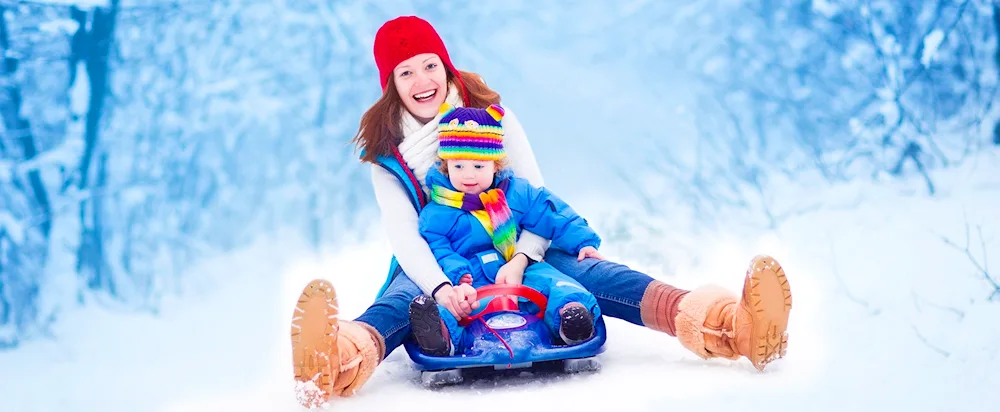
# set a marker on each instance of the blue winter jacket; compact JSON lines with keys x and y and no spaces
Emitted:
{"x":456,"y":237}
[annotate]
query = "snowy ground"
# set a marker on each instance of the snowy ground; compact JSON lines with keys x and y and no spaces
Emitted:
{"x":886,"y":316}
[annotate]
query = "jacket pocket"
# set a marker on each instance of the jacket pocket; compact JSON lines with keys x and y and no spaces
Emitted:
{"x":489,"y":262}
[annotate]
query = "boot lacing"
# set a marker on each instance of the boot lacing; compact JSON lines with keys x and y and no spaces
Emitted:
{"x":726,"y":335}
{"x":354,"y":362}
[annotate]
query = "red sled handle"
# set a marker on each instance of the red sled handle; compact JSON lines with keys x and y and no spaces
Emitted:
{"x":505,"y":304}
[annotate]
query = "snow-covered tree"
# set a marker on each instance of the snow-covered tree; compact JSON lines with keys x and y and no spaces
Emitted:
{"x":34,"y":111}
{"x":814,"y":88}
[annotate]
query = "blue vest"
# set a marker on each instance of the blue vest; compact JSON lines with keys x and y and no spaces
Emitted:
{"x":394,"y":164}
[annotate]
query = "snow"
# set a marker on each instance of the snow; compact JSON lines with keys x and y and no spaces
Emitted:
{"x":66,"y":153}
{"x":931,"y":44}
{"x":825,"y":8}
{"x":79,"y":92}
{"x":880,"y":301}
{"x":83,"y":4}
{"x":6,"y":171}
{"x":59,"y":26}
{"x":11,"y":226}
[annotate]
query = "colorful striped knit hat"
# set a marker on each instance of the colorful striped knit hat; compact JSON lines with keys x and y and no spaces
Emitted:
{"x":471,"y":134}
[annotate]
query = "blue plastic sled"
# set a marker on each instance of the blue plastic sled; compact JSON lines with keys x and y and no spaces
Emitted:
{"x":501,"y":337}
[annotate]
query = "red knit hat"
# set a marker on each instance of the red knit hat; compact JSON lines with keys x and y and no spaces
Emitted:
{"x":407,"y":36}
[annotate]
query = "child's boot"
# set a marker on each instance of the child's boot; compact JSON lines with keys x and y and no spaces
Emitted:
{"x":428,"y":329}
{"x":576,"y":323}
{"x":330,"y":357}
{"x":711,"y":322}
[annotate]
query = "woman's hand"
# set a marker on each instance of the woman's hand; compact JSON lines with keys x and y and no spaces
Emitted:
{"x":460,"y":300}
{"x":589,"y":252}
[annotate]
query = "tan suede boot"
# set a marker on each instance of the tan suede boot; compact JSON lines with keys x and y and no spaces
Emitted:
{"x":330,"y":357}
{"x":711,"y":322}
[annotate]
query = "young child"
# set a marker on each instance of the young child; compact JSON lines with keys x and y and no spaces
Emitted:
{"x":477,"y":211}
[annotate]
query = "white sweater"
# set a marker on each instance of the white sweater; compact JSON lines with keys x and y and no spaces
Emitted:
{"x":419,"y":149}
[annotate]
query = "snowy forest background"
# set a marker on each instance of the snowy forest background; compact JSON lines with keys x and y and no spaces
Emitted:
{"x":139,"y":137}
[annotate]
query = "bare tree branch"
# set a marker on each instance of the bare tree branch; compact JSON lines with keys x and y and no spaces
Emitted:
{"x":918,"y":301}
{"x":982,"y":267}
{"x":927,"y":343}
{"x":843,"y":285}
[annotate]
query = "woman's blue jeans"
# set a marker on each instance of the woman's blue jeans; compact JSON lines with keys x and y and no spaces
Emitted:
{"x":618,"y":290}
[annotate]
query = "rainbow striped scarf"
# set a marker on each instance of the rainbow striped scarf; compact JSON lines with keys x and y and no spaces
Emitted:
{"x":490,"y":208}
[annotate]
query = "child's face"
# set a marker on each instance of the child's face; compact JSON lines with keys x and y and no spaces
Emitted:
{"x":471,"y":176}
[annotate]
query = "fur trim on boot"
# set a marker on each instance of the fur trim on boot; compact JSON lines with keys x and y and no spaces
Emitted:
{"x":361,"y":349}
{"x":691,"y":317}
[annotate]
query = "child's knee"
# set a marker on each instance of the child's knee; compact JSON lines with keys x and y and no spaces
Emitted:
{"x":558,"y":301}
{"x":569,"y":291}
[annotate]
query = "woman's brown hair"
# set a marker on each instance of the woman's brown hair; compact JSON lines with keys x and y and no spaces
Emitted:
{"x":380,"y":130}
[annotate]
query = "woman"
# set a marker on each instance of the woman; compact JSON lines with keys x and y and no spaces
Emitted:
{"x":398,"y":136}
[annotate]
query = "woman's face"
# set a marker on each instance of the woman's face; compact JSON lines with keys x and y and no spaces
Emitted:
{"x":422,"y":84}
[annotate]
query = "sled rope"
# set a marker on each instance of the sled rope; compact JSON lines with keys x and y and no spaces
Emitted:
{"x":498,"y":337}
